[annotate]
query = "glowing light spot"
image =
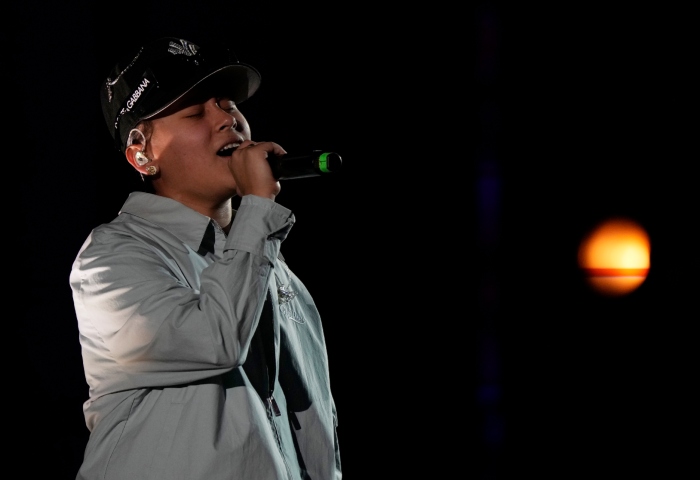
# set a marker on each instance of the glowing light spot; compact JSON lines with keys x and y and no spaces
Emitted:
{"x":614,"y":256}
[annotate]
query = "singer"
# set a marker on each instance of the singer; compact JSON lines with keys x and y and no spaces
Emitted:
{"x":204,"y":353}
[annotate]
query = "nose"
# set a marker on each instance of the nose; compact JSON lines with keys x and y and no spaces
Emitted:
{"x":227,"y":120}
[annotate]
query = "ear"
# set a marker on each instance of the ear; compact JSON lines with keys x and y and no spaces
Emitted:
{"x":136,"y":161}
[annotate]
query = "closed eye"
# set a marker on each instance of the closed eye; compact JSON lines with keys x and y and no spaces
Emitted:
{"x":226,"y":104}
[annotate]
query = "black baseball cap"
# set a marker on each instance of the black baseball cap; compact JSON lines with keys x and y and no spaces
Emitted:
{"x":163,"y":71}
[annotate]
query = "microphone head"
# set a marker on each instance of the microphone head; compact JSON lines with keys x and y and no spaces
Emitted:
{"x":330,"y":162}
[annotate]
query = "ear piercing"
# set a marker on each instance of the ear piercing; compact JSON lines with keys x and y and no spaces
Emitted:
{"x":152,"y":170}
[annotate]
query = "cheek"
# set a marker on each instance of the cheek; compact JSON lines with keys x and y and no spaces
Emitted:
{"x":177,"y":144}
{"x":243,"y":126}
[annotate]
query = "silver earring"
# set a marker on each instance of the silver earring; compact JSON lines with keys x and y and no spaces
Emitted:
{"x":151,"y":170}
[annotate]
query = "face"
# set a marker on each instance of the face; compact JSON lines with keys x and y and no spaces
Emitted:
{"x":191,"y":143}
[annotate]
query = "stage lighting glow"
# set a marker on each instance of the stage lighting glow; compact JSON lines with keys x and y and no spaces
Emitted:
{"x":614,"y":256}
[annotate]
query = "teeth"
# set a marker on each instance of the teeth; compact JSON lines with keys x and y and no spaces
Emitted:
{"x":230,"y":146}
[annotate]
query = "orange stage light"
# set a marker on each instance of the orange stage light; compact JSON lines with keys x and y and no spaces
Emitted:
{"x":614,"y":256}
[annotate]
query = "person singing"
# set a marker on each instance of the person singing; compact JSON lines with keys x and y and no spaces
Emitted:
{"x":204,"y":353}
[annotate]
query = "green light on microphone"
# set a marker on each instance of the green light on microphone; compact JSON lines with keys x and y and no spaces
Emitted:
{"x":323,"y":163}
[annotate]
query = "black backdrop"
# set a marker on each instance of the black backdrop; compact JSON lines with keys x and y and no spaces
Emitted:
{"x":479,"y":145}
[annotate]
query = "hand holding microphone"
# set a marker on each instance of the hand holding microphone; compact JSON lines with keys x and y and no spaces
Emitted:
{"x":249,"y":166}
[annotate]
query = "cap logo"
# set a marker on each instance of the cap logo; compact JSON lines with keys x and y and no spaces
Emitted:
{"x":132,"y":101}
{"x":182,"y":48}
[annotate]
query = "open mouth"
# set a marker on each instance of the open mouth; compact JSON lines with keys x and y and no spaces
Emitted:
{"x":227,"y":150}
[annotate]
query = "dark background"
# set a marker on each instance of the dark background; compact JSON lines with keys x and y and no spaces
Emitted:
{"x":585,"y":113}
{"x":480,"y":144}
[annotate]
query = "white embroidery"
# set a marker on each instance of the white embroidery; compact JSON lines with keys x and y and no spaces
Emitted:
{"x":285,"y":294}
{"x":183,"y":48}
{"x":288,"y":311}
{"x":134,"y":98}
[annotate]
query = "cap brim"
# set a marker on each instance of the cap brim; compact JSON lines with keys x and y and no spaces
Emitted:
{"x":240,"y":81}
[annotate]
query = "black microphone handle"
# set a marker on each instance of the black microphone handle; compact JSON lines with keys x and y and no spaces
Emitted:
{"x":314,"y":164}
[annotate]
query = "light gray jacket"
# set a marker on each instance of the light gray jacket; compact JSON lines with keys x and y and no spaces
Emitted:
{"x":204,"y":354}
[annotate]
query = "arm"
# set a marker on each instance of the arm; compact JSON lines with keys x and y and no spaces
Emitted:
{"x":141,"y":315}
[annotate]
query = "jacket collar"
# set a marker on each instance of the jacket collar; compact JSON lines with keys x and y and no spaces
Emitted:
{"x":186,"y":224}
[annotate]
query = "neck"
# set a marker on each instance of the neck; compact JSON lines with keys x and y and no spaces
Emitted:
{"x":223,"y":215}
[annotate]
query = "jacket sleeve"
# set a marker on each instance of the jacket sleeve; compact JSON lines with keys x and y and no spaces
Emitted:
{"x":137,"y":316}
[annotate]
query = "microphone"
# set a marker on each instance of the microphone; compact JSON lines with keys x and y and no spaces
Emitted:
{"x":315,"y":164}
